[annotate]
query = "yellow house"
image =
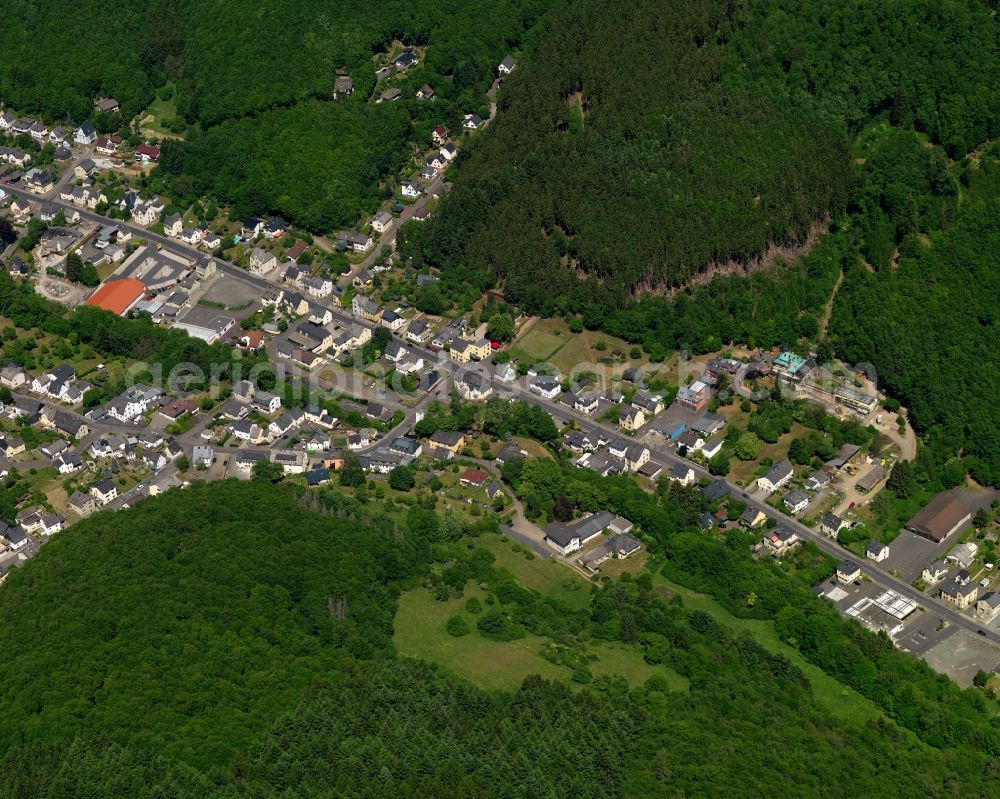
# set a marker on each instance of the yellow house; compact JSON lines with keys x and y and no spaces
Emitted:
{"x":447,"y":439}
{"x":631,"y":418}
{"x":464,"y":350}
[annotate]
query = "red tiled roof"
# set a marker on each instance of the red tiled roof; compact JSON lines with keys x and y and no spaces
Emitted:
{"x":117,"y":296}
{"x":475,"y":476}
{"x":296,"y":249}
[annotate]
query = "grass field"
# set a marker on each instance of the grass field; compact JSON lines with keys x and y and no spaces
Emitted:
{"x":502,"y":665}
{"x":493,"y":665}
{"x":152,"y":119}
{"x":546,"y":576}
{"x":620,"y":660}
{"x":841,"y":701}
{"x":551,"y":340}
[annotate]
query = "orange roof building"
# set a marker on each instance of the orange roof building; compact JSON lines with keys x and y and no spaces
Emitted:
{"x":117,"y":296}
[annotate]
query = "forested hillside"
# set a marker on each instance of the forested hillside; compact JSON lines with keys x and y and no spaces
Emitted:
{"x":251,"y":86}
{"x":930,"y":327}
{"x":646,"y":140}
{"x":231,"y":58}
{"x":233,"y":639}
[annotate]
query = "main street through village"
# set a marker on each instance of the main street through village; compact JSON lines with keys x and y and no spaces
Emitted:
{"x":518,"y":390}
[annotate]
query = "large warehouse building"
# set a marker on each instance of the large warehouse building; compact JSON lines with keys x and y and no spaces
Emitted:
{"x":117,"y":296}
{"x":940,"y":518}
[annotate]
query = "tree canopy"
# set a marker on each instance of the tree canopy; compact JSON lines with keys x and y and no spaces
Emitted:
{"x":643,"y":143}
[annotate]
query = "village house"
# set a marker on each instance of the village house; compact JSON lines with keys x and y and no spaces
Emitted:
{"x":752,"y":518}
{"x":262,"y":261}
{"x":13,"y":376}
{"x":342,"y":86}
{"x":877,"y":551}
{"x":780,"y":540}
{"x":544,"y":386}
{"x":796,"y":501}
{"x":650,"y":404}
{"x":391,"y":320}
{"x":466,"y":350}
{"x":690,"y":441}
{"x":357,"y":242}
{"x":176,"y":408}
{"x":382,"y":221}
{"x":848,"y":571}
{"x":448,"y":440}
{"x":775,"y":477}
{"x":934,"y":572}
{"x":173,"y":225}
{"x":364,"y":307}
{"x":104,"y":491}
{"x":405,"y":60}
{"x":202,"y":455}
{"x":631,"y":453}
{"x":267,"y":402}
{"x":85,"y":134}
{"x":82,"y":504}
{"x":274,"y":228}
{"x":695,"y":396}
{"x":406,"y":446}
{"x":567,"y":538}
{"x":586,"y":402}
{"x":631,"y":418}
{"x":108,"y":144}
{"x":107,"y":105}
{"x":712,"y":448}
{"x":15,"y":537}
{"x":817,"y":481}
{"x":291,"y":461}
{"x":960,"y":592}
{"x":146,"y":213}
{"x":473,"y":386}
{"x":683,"y":474}
{"x":473,"y":478}
{"x":832,"y":524}
{"x":246,"y":431}
{"x":147,"y":154}
{"x":988,"y":607}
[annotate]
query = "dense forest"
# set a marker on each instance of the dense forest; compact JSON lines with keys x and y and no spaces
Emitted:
{"x":930,"y":327}
{"x":646,"y":141}
{"x":250,"y":88}
{"x":234,"y":639}
{"x":230,"y":58}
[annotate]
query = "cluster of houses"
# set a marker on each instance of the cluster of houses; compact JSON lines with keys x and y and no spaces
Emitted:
{"x":59,"y":383}
{"x":201,"y":236}
{"x":780,"y":474}
{"x":569,"y":537}
{"x":615,"y":456}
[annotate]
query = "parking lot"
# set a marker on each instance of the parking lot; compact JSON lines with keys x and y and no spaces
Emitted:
{"x":238,"y":296}
{"x":962,"y":654}
{"x":909,"y":553}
